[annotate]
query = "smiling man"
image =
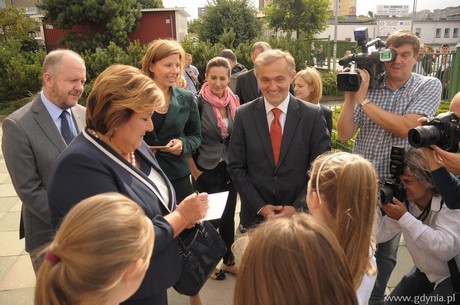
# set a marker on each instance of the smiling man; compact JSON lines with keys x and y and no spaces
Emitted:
{"x":384,"y":116}
{"x":274,"y":140}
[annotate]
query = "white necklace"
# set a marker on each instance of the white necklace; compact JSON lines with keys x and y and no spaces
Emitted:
{"x":132,"y":156}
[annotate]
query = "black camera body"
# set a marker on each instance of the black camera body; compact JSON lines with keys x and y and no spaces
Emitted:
{"x":442,"y":131}
{"x":393,"y":187}
{"x":373,"y":62}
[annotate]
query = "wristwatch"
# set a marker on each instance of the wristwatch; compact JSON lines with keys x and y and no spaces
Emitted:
{"x":365,"y":102}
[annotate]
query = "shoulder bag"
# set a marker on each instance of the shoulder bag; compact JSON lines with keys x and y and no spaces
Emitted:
{"x":201,"y":248}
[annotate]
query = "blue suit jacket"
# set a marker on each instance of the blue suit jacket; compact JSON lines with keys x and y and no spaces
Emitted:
{"x":83,"y":170}
{"x":251,"y":164}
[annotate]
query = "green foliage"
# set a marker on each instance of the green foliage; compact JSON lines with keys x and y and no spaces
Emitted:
{"x":117,"y":18}
{"x":329,"y":79}
{"x":15,"y":25}
{"x":304,"y":16}
{"x":227,"y":15}
{"x":20,"y":72}
{"x":151,"y":3}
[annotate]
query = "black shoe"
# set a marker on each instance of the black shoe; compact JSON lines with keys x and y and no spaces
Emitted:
{"x":241,"y":229}
{"x":218,"y":276}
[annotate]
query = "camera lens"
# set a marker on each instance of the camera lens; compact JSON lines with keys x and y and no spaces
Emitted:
{"x":386,"y":194}
{"x":348,"y":81}
{"x":424,"y":136}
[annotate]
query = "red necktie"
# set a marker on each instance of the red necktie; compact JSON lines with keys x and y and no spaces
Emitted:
{"x":276,"y":134}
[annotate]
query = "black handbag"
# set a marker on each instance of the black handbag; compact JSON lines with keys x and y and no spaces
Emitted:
{"x":201,"y":248}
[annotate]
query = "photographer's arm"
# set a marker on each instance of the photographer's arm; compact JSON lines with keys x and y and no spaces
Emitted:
{"x":447,"y":184}
{"x":396,"y":124}
{"x":346,"y":125}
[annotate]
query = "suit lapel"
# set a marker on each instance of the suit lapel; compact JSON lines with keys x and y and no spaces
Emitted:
{"x":292,"y":120}
{"x":43,"y":119}
{"x":260,"y":119}
{"x":77,"y":118}
{"x":254,"y":85}
{"x":210,"y":113}
{"x":173,"y":111}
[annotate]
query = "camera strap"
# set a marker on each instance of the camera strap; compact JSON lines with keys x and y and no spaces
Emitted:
{"x":424,"y":215}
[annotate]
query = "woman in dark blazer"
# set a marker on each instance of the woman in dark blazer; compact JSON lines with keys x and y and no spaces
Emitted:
{"x":209,"y":166}
{"x":110,"y":156}
{"x":309,"y":88}
{"x":177,"y":123}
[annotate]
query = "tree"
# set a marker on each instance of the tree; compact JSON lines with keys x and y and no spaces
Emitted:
{"x":14,"y":24}
{"x":151,"y":3}
{"x":227,"y":15}
{"x":307,"y":17}
{"x":104,"y":21}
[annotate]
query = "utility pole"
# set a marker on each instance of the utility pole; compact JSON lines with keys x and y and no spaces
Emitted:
{"x":336,"y":23}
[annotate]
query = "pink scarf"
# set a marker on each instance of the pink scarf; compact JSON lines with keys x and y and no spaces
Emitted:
{"x":229,"y":98}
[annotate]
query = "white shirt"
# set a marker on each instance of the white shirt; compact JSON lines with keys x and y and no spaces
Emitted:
{"x":431,"y":243}
{"x":283,"y":107}
{"x":55,"y":113}
{"x":367,"y":285}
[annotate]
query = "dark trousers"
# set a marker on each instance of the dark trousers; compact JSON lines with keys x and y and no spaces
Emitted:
{"x":183,"y":188}
{"x":415,"y":288}
{"x":215,"y":181}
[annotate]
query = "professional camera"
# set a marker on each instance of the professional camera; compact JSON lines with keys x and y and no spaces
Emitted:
{"x":371,"y":61}
{"x":442,"y":131}
{"x":393,"y":187}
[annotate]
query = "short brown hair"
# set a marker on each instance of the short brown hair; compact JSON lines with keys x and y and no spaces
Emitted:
{"x":219,"y":62}
{"x":117,"y":93}
{"x":402,"y":37}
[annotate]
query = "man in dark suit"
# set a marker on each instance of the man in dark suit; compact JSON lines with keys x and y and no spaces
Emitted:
{"x":274,"y":140}
{"x":246,"y":87}
{"x":32,"y":141}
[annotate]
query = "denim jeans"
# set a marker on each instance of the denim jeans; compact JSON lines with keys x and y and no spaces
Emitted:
{"x":385,"y":256}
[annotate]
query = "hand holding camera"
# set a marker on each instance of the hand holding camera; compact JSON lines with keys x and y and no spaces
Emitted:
{"x":442,"y":131}
{"x":395,"y":210}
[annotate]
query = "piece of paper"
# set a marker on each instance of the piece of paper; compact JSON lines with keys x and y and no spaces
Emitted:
{"x":217,"y":202}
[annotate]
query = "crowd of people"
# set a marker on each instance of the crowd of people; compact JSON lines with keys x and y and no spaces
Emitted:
{"x":106,"y":191}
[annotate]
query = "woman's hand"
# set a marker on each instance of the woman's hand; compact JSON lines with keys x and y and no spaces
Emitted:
{"x":194,"y":208}
{"x":173,"y":147}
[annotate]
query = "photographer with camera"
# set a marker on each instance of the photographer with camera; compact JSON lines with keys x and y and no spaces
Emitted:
{"x":444,"y":165}
{"x":384,"y":116}
{"x":431,"y":232}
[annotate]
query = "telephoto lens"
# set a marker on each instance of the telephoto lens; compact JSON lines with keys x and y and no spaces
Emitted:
{"x":424,"y":136}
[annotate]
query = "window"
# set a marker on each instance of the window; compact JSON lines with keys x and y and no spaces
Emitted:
{"x":418,"y":32}
{"x":455,"y":33}
{"x":446,"y":33}
{"x":438,"y":33}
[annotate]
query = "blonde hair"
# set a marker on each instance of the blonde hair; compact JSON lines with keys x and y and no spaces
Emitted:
{"x":181,"y":82}
{"x":312,"y":77}
{"x":97,"y":241}
{"x":293,"y":261}
{"x":347,"y":187}
{"x":117,"y":93}
{"x":159,"y":49}
{"x":269,"y":56}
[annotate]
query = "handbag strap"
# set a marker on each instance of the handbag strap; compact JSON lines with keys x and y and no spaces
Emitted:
{"x":200,"y":229}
